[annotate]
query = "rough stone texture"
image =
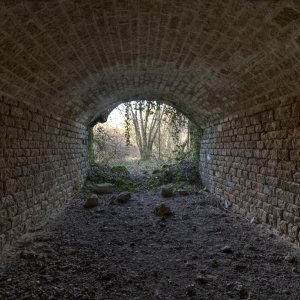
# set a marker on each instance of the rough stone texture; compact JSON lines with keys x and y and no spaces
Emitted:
{"x":42,"y":159}
{"x":253,"y":160}
{"x":167,"y":191}
{"x":104,"y":188}
{"x":91,"y":201}
{"x":219,"y":56}
{"x":79,"y":59}
{"x":123,"y":197}
{"x":163,"y":210}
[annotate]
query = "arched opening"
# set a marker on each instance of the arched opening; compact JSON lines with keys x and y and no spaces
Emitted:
{"x":148,"y":140}
{"x":231,"y":66}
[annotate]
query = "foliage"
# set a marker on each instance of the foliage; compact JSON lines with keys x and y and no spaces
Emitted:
{"x":99,"y":172}
{"x":120,"y":169}
{"x":108,"y":143}
{"x":90,"y":146}
{"x":154,"y":181}
{"x":146,"y":117}
{"x":179,"y":127}
{"x":159,"y":133}
{"x":118,"y":175}
{"x":181,"y":173}
{"x":125,"y":184}
{"x":78,"y":186}
{"x":158,"y":129}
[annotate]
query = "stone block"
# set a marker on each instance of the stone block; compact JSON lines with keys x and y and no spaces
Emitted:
{"x":104,"y":188}
{"x":283,"y":113}
{"x":122,"y":198}
{"x":296,"y":110}
{"x":288,"y":217}
{"x":296,"y":177}
{"x":293,"y":231}
{"x":283,"y":227}
{"x":91,"y":201}
{"x":10,"y":186}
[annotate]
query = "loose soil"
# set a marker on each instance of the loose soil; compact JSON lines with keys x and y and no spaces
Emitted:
{"x":127,"y":252}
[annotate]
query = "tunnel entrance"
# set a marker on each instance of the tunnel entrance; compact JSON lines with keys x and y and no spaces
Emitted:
{"x":146,"y":143}
{"x":231,"y":66}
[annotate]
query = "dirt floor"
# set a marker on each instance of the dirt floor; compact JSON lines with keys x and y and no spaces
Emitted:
{"x":125,"y":251}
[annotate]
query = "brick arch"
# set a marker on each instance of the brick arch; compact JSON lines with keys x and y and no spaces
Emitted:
{"x":68,"y":56}
{"x":231,"y":65}
{"x":169,"y":99}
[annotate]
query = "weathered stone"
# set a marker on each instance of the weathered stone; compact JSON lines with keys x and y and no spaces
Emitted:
{"x":244,"y":157}
{"x":243,"y":293}
{"x":227,"y":249}
{"x":201,"y":279}
{"x":191,"y":290}
{"x":290,"y":258}
{"x":112,"y":199}
{"x":123,"y":197}
{"x":167,"y":191}
{"x":163,"y":211}
{"x":283,"y":113}
{"x":41,"y":165}
{"x":269,"y":173}
{"x":26,"y":254}
{"x":104,"y":188}
{"x":183,"y":192}
{"x":91,"y":201}
{"x":297,"y":177}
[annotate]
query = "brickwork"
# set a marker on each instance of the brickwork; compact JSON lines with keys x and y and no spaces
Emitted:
{"x":75,"y":59}
{"x":42,"y":159}
{"x":204,"y":56}
{"x":252,"y":159}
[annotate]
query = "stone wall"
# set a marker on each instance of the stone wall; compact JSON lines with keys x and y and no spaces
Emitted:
{"x":42,"y":160}
{"x":252,"y":159}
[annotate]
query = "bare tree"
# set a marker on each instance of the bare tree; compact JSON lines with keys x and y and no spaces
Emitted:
{"x":108,"y":143}
{"x":146,"y":117}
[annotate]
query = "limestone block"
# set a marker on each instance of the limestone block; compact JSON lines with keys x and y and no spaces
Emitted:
{"x":91,"y":201}
{"x":104,"y":188}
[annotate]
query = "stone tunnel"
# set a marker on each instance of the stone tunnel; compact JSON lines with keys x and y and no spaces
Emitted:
{"x":232,"y":66}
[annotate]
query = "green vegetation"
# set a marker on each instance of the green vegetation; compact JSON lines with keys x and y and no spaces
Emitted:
{"x":124,"y":184}
{"x":90,"y":146}
{"x":157,"y":145}
{"x":117,"y":175}
{"x":78,"y":186}
{"x":120,"y":169}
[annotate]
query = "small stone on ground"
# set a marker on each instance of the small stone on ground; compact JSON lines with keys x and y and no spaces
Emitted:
{"x":227,"y":249}
{"x":104,"y":188}
{"x":123,"y":197}
{"x":167,"y":191}
{"x":128,"y":252}
{"x":162,"y":210}
{"x":91,"y":201}
{"x":183,"y":192}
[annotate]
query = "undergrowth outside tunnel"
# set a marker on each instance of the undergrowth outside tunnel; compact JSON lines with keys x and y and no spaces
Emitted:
{"x":144,"y":145}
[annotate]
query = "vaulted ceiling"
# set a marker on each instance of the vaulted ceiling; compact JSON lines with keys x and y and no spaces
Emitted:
{"x":76,"y":58}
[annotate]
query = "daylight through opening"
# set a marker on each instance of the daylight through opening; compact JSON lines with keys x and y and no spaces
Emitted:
{"x":150,"y":140}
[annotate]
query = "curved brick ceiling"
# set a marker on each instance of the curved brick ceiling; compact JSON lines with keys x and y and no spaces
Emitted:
{"x":76,"y":58}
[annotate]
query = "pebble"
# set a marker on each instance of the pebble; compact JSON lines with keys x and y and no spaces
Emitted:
{"x":91,"y":201}
{"x":123,"y":198}
{"x":227,"y":249}
{"x":201,"y":279}
{"x":162,"y":210}
{"x":290,"y":258}
{"x":191,"y":290}
{"x":167,"y":191}
{"x":183,"y":192}
{"x":104,"y":188}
